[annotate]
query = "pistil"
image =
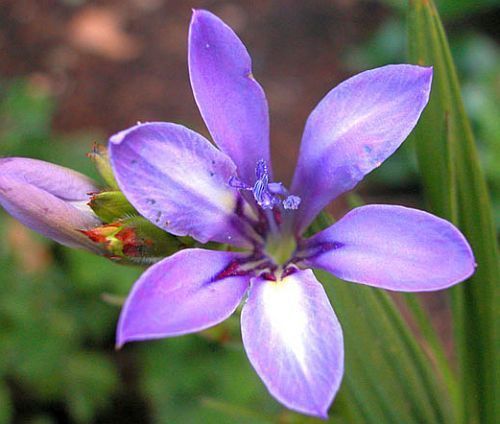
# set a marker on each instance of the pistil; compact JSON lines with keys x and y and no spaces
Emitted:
{"x":280,"y":248}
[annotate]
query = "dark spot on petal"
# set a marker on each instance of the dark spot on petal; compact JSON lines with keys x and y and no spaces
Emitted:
{"x":231,"y":270}
{"x":333,"y":245}
{"x":238,"y":210}
{"x":317,"y":249}
{"x":289,"y":270}
{"x":268,"y":276}
{"x":277,"y":216}
{"x":151,"y":201}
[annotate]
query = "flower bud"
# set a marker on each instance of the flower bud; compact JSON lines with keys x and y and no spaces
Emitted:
{"x":135,"y":240}
{"x":99,"y":156}
{"x":49,"y":199}
{"x":111,"y":206}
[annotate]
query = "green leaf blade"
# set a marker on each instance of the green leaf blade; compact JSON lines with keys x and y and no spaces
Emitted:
{"x":456,"y":190}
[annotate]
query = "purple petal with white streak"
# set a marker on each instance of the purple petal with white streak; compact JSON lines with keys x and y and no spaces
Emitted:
{"x":184,"y":293}
{"x":230,"y":100}
{"x":179,"y":181}
{"x":358,"y":125}
{"x":393,"y":247}
{"x":294,"y":341}
{"x":49,"y":199}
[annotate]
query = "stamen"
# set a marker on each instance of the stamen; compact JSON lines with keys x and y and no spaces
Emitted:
{"x":267,"y":194}
{"x":263,"y":196}
{"x":292,"y":202}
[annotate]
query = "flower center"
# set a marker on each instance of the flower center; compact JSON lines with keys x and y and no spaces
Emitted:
{"x":267,"y":194}
{"x":280,"y":248}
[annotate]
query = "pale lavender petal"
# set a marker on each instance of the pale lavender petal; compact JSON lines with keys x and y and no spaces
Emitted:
{"x":49,"y":199}
{"x":179,"y":181}
{"x":294,"y":341}
{"x":190,"y":291}
{"x":230,"y":100}
{"x":392,"y":247}
{"x":358,"y":125}
{"x":59,"y":181}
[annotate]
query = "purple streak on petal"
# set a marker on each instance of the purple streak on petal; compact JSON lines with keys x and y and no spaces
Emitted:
{"x":179,"y":181}
{"x":358,"y":124}
{"x":230,"y":100}
{"x":184,"y":293}
{"x":294,"y":341}
{"x":392,"y":247}
{"x":49,"y":199}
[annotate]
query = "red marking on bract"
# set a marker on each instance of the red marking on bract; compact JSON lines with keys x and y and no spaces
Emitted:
{"x":130,"y":242}
{"x":114,"y":258}
{"x":100,"y":234}
{"x":118,"y":239}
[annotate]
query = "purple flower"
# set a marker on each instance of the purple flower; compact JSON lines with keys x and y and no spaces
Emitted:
{"x":185,"y":185}
{"x":49,"y":199}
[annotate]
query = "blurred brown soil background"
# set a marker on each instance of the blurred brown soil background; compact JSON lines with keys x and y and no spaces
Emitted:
{"x":112,"y":63}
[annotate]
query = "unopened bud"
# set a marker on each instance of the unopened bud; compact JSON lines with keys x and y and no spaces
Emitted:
{"x":136,"y":240}
{"x":49,"y":199}
{"x":111,"y":206}
{"x":99,"y":156}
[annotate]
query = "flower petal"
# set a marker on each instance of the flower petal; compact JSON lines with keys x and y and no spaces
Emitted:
{"x":49,"y":199}
{"x":393,"y":247}
{"x":230,"y":100}
{"x":179,"y":181}
{"x":294,"y":341}
{"x":358,"y":125}
{"x":59,"y":181}
{"x":184,"y":293}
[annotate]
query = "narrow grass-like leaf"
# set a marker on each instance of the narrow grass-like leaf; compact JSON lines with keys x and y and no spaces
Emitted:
{"x":456,"y":189}
{"x":238,"y":413}
{"x":435,"y":350}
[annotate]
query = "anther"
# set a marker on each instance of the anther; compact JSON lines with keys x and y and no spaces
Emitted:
{"x":267,"y":194}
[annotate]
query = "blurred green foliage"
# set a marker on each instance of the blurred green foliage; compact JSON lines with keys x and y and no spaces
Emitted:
{"x":53,"y":326}
{"x":452,"y":8}
{"x":455,"y":188}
